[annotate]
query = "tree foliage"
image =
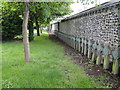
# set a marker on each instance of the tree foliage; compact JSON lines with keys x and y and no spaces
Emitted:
{"x":40,"y":13}
{"x":11,"y":26}
{"x":47,"y":12}
{"x":11,"y":22}
{"x":87,"y":2}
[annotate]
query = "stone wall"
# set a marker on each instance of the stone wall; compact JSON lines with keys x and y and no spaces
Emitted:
{"x":95,"y":33}
{"x":101,"y":24}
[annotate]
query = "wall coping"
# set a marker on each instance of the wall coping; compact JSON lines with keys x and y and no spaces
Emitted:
{"x":104,"y":6}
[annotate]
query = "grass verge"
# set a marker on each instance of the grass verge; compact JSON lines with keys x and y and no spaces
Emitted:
{"x":49,"y":67}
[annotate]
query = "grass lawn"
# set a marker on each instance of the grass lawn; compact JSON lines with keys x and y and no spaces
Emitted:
{"x":49,"y":67}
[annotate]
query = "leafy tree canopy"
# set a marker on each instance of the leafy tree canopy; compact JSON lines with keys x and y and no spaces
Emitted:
{"x":42,"y":12}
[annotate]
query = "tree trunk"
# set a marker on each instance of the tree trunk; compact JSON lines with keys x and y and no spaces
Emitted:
{"x":24,"y":32}
{"x":37,"y":27}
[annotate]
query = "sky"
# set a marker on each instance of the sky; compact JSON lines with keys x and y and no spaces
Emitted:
{"x":77,"y":7}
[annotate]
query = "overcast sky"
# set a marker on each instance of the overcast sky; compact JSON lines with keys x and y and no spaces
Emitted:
{"x":76,"y":7}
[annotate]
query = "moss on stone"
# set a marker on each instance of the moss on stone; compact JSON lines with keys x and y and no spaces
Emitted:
{"x":98,"y":60}
{"x":115,"y":67}
{"x":93,"y":56}
{"x":106,"y":62}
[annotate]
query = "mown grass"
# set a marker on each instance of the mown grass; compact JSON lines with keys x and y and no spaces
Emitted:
{"x":49,"y":67}
{"x":0,"y":65}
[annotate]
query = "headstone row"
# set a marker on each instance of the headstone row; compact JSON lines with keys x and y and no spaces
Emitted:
{"x":96,"y":51}
{"x":96,"y":35}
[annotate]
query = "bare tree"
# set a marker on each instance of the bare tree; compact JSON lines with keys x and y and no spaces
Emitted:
{"x":24,"y":32}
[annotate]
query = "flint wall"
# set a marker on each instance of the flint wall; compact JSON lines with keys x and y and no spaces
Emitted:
{"x":95,"y":33}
